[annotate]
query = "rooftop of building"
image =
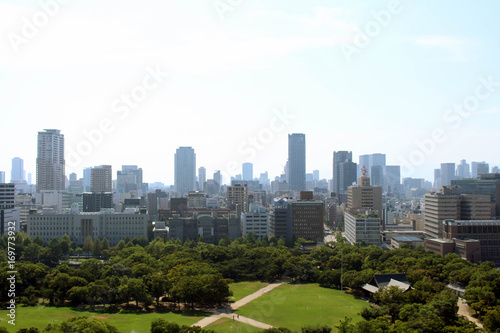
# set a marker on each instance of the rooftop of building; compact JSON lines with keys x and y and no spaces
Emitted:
{"x":471,"y":222}
{"x":406,"y":239}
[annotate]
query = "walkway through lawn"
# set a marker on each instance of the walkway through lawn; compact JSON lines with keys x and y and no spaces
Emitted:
{"x":245,"y":300}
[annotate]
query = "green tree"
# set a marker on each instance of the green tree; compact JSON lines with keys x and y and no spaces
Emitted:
{"x":138,"y":292}
{"x":88,"y":245}
{"x":158,"y":285}
{"x":392,"y":300}
{"x":81,"y":324}
{"x":491,"y":320}
{"x":105,"y":244}
{"x":97,"y":247}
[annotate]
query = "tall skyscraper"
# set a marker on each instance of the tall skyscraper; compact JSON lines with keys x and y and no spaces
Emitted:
{"x":218,"y":179}
{"x":202,"y":178}
{"x":338,"y":158}
{"x":437,"y":178}
{"x":392,"y":177}
{"x":297,"y":161}
{"x":474,"y":168}
{"x":483,"y":168}
{"x":316,"y":175}
{"x":377,"y":175}
{"x":185,"y":170}
{"x":447,"y":173}
{"x":129,"y":179}
{"x":50,"y":162}
{"x":2,"y":177}
{"x":347,"y":175}
{"x":247,"y":171}
{"x":86,"y":179}
{"x":364,"y":161}
{"x":101,"y":179}
{"x":463,"y":170}
{"x":17,"y":173}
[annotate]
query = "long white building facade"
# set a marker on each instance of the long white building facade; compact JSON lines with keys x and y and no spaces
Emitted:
{"x":78,"y":226}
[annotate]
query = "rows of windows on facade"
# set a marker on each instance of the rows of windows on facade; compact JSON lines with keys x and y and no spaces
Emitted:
{"x":367,"y":201}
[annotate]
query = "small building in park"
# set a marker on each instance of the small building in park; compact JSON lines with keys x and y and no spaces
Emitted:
{"x":380,"y":281}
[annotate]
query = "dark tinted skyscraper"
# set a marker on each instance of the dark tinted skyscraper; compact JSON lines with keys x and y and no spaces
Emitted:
{"x":338,"y":158}
{"x":347,"y":175}
{"x":50,"y":161}
{"x":185,"y":170}
{"x":297,"y":161}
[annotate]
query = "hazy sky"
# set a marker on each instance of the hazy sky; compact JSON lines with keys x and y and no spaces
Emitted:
{"x":367,"y":76}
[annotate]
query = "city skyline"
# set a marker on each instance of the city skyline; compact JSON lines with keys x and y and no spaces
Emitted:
{"x":182,"y":74}
{"x":239,"y":172}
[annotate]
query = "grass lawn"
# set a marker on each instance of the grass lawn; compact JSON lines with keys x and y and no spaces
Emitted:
{"x":295,"y":306}
{"x":227,"y":325}
{"x":126,"y":322}
{"x":242,"y":289}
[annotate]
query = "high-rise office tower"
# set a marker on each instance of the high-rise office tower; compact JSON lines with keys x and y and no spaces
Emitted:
{"x":86,"y":179}
{"x":347,"y":175}
{"x":129,"y":179}
{"x":450,"y":203}
{"x":483,"y":168}
{"x":340,"y":157}
{"x":474,"y":168}
{"x":100,"y":179}
{"x":447,"y":173}
{"x":264,"y":178}
{"x":377,"y":159}
{"x":364,"y":161}
{"x":2,"y":177}
{"x":185,"y":170}
{"x":377,"y":175}
{"x":392,"y":177}
{"x":218,"y":179}
{"x":370,"y":160}
{"x":463,"y":170}
{"x":50,"y":161}
{"x":247,"y":171}
{"x":202,"y":178}
{"x":17,"y":173}
{"x":297,"y":161}
{"x":488,"y":184}
{"x":316,"y":175}
{"x":437,"y":178}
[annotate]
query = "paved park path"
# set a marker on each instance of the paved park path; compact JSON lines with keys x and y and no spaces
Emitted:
{"x":245,"y":300}
{"x":464,"y":310}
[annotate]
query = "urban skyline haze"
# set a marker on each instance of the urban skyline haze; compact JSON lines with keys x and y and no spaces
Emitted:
{"x":128,"y":84}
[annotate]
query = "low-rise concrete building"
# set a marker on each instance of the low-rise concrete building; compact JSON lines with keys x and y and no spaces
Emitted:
{"x":78,"y":226}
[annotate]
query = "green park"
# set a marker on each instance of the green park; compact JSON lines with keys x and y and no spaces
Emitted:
{"x":290,"y":305}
